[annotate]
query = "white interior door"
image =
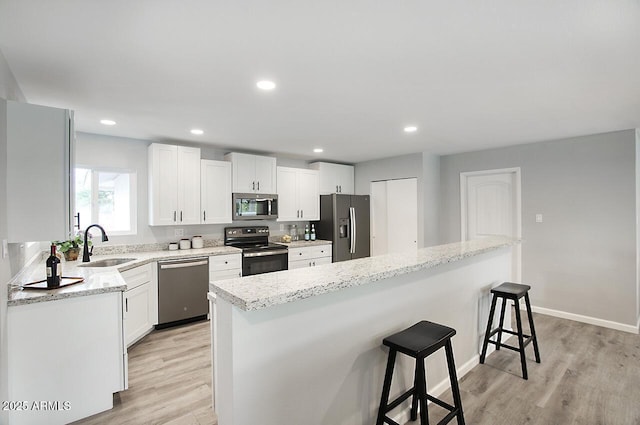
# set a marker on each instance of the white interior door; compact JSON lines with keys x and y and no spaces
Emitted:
{"x":378,"y":218}
{"x":394,"y":216}
{"x":490,"y":206}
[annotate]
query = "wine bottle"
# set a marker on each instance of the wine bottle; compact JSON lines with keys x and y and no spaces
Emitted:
{"x":313,"y":232}
{"x":307,"y":236}
{"x":54,"y":269}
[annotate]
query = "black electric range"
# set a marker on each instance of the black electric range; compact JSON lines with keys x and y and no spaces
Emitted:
{"x":258,"y":254}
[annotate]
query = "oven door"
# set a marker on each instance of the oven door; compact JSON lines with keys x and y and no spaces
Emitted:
{"x":264,"y":262}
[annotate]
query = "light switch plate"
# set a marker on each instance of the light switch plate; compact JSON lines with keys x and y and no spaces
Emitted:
{"x":538,"y":218}
{"x":179,"y":232}
{"x":5,"y":248}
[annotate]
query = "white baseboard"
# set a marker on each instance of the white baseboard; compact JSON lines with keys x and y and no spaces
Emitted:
{"x":587,"y":319}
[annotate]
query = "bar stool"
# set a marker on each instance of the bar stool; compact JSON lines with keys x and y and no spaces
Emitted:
{"x":511,"y":291}
{"x":420,"y":341}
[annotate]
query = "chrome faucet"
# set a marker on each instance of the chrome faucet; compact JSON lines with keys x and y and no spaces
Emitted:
{"x":85,"y":252}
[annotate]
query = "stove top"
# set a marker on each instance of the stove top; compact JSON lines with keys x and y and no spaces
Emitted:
{"x":259,"y":247}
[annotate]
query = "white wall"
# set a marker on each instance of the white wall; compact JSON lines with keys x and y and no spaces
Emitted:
{"x":582,"y":258}
{"x":131,"y":154}
{"x":9,"y":90}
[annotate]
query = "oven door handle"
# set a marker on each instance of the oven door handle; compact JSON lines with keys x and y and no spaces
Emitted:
{"x":264,"y":253}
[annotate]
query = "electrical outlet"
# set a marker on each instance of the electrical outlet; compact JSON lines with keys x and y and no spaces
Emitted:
{"x":5,"y":248}
{"x":282,"y":227}
{"x":538,"y":218}
{"x":179,"y":232}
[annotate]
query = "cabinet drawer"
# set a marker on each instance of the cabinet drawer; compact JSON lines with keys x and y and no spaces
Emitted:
{"x":138,"y":276}
{"x":225,"y":262}
{"x":309,"y":252}
{"x":224,"y":274}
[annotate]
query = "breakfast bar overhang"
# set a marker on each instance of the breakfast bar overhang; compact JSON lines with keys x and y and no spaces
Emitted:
{"x":304,"y":346}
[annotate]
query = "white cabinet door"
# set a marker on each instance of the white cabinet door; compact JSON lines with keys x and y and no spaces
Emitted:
{"x":265,"y":174}
{"x":163,"y":184}
{"x":138,"y":312}
{"x":288,"y":209}
{"x":335,"y":178}
{"x":188,"y":185}
{"x":308,"y":194}
{"x":174,"y":185}
{"x":215,"y":191}
{"x":253,"y":173}
{"x":140,"y":302}
{"x":225,"y":267}
{"x":40,"y":182}
{"x":298,"y":197}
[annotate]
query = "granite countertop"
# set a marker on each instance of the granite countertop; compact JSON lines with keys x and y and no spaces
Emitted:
{"x":271,"y":289}
{"x":97,"y":280}
{"x":302,"y":243}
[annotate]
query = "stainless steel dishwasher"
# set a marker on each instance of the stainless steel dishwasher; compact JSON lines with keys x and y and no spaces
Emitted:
{"x":182,"y":291}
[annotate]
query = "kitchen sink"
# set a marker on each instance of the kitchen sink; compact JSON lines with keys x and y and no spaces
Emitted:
{"x":107,"y":262}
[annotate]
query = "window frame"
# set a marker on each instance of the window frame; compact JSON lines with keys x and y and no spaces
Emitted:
{"x":133,"y":199}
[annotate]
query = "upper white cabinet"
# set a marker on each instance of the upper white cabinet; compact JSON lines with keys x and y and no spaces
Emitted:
{"x":298,"y":194}
{"x":40,"y":182}
{"x":252,"y":173}
{"x":215,"y":191}
{"x":335,"y":178}
{"x":174,"y":185}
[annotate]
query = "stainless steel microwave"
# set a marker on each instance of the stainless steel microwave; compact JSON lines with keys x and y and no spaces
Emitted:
{"x":255,"y":206}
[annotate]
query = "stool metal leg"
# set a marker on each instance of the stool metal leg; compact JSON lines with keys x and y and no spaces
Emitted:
{"x":504,"y":307}
{"x":523,"y":359}
{"x":489,"y":323}
{"x":455,"y":388}
{"x":533,"y":329}
{"x":386,"y":388}
{"x":422,"y":391}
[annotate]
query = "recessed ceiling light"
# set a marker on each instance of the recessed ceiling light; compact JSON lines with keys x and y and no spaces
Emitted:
{"x":197,"y":132}
{"x":318,"y":150}
{"x":107,"y":122}
{"x":266,"y":85}
{"x":410,"y":129}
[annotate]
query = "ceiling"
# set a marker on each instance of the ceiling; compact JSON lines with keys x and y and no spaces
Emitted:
{"x":350,"y":74}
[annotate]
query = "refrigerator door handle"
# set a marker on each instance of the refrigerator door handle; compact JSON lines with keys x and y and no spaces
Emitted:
{"x":352,"y":225}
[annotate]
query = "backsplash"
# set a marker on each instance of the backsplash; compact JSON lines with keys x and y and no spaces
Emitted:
{"x":163,"y":246}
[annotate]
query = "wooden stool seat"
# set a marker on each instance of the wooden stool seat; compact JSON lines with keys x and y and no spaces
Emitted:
{"x":419,"y":341}
{"x":511,"y":291}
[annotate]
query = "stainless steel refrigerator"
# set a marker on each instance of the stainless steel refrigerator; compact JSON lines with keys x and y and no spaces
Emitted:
{"x":344,"y":220}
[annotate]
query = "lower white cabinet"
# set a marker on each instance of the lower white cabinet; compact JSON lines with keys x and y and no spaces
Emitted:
{"x":226,"y":266}
{"x":140,"y":302}
{"x":311,"y":256}
{"x":69,"y":353}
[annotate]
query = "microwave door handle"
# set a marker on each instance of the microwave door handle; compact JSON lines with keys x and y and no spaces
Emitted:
{"x":352,"y":225}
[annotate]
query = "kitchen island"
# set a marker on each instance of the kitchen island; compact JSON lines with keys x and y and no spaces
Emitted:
{"x":304,"y":346}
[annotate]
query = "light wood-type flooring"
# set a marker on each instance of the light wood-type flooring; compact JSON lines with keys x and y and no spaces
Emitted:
{"x":588,"y":375}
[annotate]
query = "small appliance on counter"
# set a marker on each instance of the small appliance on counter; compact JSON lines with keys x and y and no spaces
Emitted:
{"x":258,"y":254}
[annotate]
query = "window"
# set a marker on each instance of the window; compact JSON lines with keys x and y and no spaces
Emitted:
{"x":107,"y":197}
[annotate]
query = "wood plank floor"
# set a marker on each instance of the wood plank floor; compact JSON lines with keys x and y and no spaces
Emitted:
{"x":169,"y":381}
{"x":588,"y":375}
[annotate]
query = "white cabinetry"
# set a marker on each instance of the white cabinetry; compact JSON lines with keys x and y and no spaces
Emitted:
{"x":65,"y":351}
{"x":140,"y":302}
{"x":253,"y":173}
{"x":298,"y":194}
{"x":174,"y":185}
{"x":309,"y":256}
{"x":335,"y":178}
{"x":215,"y":191}
{"x":40,"y":143}
{"x":226,"y":266}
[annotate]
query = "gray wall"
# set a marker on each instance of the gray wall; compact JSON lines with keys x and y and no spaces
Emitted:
{"x":9,"y":90}
{"x":399,"y":167}
{"x":582,"y":258}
